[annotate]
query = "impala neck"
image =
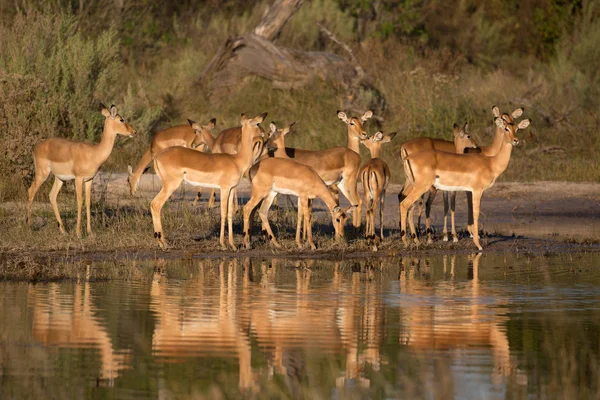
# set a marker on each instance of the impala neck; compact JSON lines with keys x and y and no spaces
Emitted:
{"x":496,"y":145}
{"x":501,"y":160}
{"x":353,"y":142}
{"x":105,"y":147}
{"x":328,"y":199}
{"x":244,"y":157}
{"x":375,"y":151}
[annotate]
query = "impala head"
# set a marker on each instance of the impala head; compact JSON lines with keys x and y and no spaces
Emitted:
{"x":373,"y":143}
{"x":510,"y":129}
{"x":250,"y":126}
{"x":203,"y":134}
{"x":277,"y":136}
{"x":338,"y":217}
{"x":462,"y":138}
{"x":355,"y":124}
{"x":115,"y":123}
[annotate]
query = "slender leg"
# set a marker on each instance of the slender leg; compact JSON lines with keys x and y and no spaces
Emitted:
{"x":156,"y":206}
{"x":476,"y":207}
{"x":299,"y":223}
{"x":348,"y":186}
{"x":408,"y":196}
{"x":310,"y":203}
{"x":307,"y":223}
{"x":198,"y":197}
{"x":263,"y":213}
{"x":367,"y":196}
{"x":88,"y":203}
{"x":374,"y":203}
{"x":411,"y":222}
{"x":53,"y":195}
{"x":224,"y":204}
{"x":41,"y":174}
{"x":79,"y":193}
{"x":248,"y":208}
{"x":452,"y":209}
{"x":381,"y":204}
{"x":446,"y":206}
{"x":430,"y":199}
{"x":230,"y":200}
{"x":470,"y":211}
{"x":212,"y":199}
{"x":420,"y":210}
{"x":134,"y":177}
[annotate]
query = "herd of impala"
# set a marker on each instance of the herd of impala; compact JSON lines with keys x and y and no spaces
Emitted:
{"x":190,"y":153}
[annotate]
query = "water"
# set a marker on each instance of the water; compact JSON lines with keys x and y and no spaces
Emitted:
{"x":468,"y":327}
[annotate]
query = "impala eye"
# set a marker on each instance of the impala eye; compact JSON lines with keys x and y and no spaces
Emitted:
{"x":122,"y":120}
{"x":337,"y":220}
{"x":352,"y":123}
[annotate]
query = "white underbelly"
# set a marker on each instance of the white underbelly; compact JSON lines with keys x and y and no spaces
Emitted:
{"x":65,"y":178}
{"x":203,"y":184}
{"x":447,"y":188}
{"x":284,"y":191}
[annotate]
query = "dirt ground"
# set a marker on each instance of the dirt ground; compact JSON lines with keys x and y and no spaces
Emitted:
{"x":539,"y":209}
{"x":536,"y":218}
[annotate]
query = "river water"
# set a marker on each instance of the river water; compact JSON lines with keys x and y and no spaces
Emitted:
{"x":443,"y":327}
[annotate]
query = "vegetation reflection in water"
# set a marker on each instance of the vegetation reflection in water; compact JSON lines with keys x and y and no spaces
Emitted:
{"x":452,"y":327}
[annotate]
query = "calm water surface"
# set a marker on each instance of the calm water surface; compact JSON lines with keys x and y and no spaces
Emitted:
{"x":472,"y":327}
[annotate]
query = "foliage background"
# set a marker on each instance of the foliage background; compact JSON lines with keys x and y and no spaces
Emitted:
{"x":436,"y":62}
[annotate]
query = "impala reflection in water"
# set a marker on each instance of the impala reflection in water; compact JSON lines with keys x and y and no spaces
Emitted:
{"x":476,"y":326}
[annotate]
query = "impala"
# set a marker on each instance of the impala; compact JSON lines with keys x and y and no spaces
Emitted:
{"x":285,"y":176}
{"x":338,"y":165}
{"x":375,"y":176}
{"x":462,"y":143}
{"x":425,"y":144}
{"x":68,"y":160}
{"x":223,"y":171}
{"x":180,"y":135}
{"x":228,"y":141}
{"x":465,"y":172}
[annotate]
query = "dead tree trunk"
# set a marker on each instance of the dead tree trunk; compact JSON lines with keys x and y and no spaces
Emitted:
{"x":254,"y":54}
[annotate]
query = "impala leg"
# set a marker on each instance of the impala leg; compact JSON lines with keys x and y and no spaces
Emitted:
{"x":349,"y":188}
{"x":79,"y":193}
{"x":430,"y":199}
{"x":476,"y":208}
{"x":134,"y":177}
{"x":411,"y":222}
{"x":446,"y":206}
{"x":420,"y":204}
{"x":374,"y":203}
{"x":248,"y":208}
{"x":224,"y":204}
{"x":235,"y":199}
{"x":310,"y":204}
{"x":41,"y":174}
{"x":307,"y":223}
{"x":156,"y":206}
{"x":53,"y":195}
{"x":212,"y":198}
{"x":198,"y":197}
{"x":230,"y":201}
{"x":263,"y":212}
{"x":452,"y":209}
{"x":299,"y":223}
{"x":88,"y":203}
{"x":381,"y":204}
{"x":366,"y":196}
{"x":470,"y":212}
{"x":409,"y":195}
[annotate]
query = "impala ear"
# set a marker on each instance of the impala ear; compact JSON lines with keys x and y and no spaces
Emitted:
{"x":388,"y":138}
{"x":195,"y":126}
{"x":243,"y":118}
{"x":272,"y":129}
{"x":466,"y":127}
{"x":517,"y":113}
{"x":496,"y":111}
{"x":287,"y":129}
{"x":378,"y":136}
{"x":524,"y":124}
{"x":366,"y":116}
{"x":349,"y":208}
{"x":113,"y":111}
{"x":260,"y":118}
{"x":500,"y":122}
{"x":342,"y":115}
{"x":212,"y":124}
{"x":129,"y":170}
{"x":506,"y":118}
{"x":455,"y":129}
{"x":337,"y":209}
{"x":104,"y":110}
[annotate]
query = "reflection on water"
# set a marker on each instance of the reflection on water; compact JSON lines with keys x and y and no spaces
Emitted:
{"x":442,"y":327}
